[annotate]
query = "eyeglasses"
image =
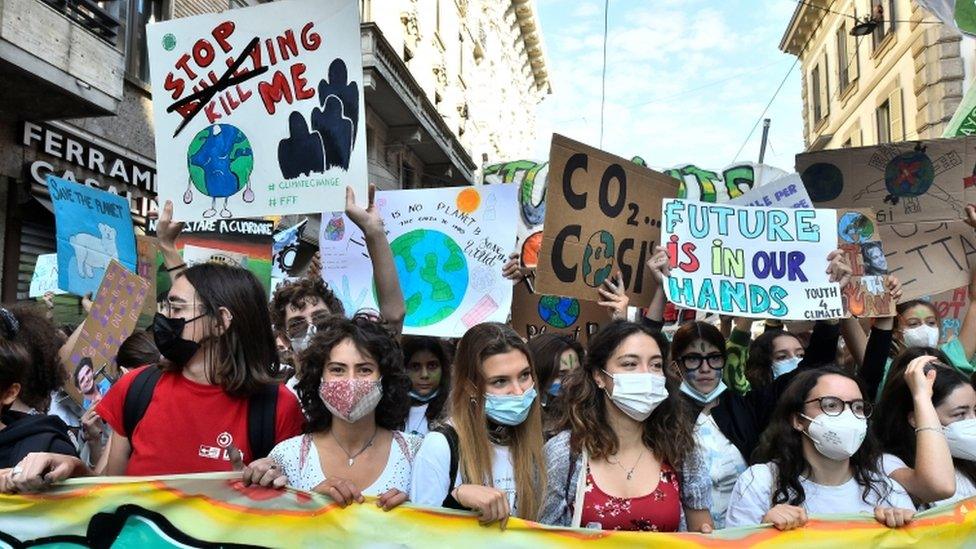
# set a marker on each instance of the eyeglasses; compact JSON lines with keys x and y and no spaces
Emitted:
{"x":298,"y":326}
{"x":833,"y":406}
{"x":173,"y":310}
{"x":693,"y":362}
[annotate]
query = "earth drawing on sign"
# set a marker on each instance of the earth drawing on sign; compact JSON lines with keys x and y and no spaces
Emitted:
{"x":433,"y":274}
{"x":598,"y":258}
{"x":559,"y":312}
{"x":220,"y":161}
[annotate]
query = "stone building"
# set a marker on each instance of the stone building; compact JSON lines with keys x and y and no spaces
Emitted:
{"x":903,"y":81}
{"x":449,"y":84}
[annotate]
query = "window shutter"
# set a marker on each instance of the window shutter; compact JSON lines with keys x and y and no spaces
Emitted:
{"x":856,"y":137}
{"x":824,"y":89}
{"x":852,"y":58}
{"x":897,"y":124}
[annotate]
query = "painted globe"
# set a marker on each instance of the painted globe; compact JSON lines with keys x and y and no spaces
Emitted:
{"x":433,"y":275}
{"x":220,"y":160}
{"x":559,"y":312}
{"x":598,"y":258}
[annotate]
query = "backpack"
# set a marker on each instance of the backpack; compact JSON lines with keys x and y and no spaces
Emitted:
{"x":453,"y":443}
{"x":261,"y":410}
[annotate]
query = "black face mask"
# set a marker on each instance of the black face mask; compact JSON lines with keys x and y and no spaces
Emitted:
{"x":168,"y":334}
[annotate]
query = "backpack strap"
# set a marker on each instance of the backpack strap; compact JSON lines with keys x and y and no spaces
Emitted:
{"x":138,"y":397}
{"x":453,"y":442}
{"x":261,"y":412}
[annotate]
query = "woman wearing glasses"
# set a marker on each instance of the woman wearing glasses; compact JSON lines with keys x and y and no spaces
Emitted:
{"x":817,"y":457}
{"x":926,"y":417}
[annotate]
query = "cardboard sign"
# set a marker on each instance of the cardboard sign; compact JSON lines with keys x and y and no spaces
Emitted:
{"x":530,"y":176}
{"x":260,"y":110}
{"x":721,"y":187}
{"x":601,"y":217}
{"x":147,"y":249}
{"x":93,"y":228}
{"x":45,"y":277}
{"x":112,"y":319}
{"x":194,"y":255}
{"x":536,"y":314}
{"x":785,"y":192}
{"x":449,"y":246}
{"x":250,"y":238}
{"x":752,"y":262}
{"x":952,"y":306}
{"x":907,"y":182}
{"x":866,"y":296}
{"x":929,"y":258}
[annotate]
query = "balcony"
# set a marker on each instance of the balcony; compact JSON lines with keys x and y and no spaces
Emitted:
{"x":58,"y":59}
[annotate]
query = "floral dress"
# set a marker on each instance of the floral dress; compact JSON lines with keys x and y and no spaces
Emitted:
{"x":659,"y":511}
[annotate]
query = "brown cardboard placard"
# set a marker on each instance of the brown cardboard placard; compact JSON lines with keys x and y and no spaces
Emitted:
{"x":951,"y":306}
{"x":913,"y":181}
{"x":866,"y":296}
{"x":112,"y":319}
{"x":602,"y":216}
{"x":146,"y":249}
{"x":929,"y":258}
{"x":536,"y":314}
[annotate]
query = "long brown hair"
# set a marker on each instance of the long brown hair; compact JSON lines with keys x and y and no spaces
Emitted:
{"x":471,"y":423}
{"x":668,"y":432}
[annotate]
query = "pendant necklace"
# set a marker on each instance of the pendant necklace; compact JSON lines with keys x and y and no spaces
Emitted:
{"x":630,"y":473}
{"x":352,"y":457}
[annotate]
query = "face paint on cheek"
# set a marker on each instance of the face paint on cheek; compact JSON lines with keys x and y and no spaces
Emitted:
{"x":435,"y":377}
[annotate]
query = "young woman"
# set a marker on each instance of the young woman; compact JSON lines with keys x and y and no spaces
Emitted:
{"x":554,"y":356}
{"x":354,"y":390}
{"x":488,"y":457}
{"x":430,"y":378}
{"x":626,"y":459}
{"x":136,"y":351}
{"x":220,"y":359}
{"x":44,"y":376}
{"x":817,"y":457}
{"x":925,"y":419}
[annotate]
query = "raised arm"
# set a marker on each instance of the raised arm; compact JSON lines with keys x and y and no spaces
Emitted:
{"x":167,"y":231}
{"x":658,"y":265}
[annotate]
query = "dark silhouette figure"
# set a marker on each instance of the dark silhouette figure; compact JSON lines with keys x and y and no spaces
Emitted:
{"x":336,"y":131}
{"x":302,"y":152}
{"x":339,"y":85}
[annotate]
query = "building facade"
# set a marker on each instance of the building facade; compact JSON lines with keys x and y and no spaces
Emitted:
{"x":446,"y":82}
{"x":903,"y":81}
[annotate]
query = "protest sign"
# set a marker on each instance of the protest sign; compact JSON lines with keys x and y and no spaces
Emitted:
{"x":929,"y":258}
{"x":531,"y":177}
{"x":250,"y":238}
{"x":721,"y":186}
{"x":536,"y":314}
{"x":866,"y":296}
{"x":752,"y":262}
{"x":147,"y":249}
{"x":785,"y":192}
{"x":963,"y":122}
{"x":93,"y":228}
{"x":286,"y":249}
{"x":905,"y":182}
{"x":951,"y":306}
{"x":449,"y":246}
{"x":45,"y":277}
{"x":217,"y":510}
{"x":194,"y":255}
{"x":259,"y":110}
{"x":112,"y":319}
{"x":601,"y":217}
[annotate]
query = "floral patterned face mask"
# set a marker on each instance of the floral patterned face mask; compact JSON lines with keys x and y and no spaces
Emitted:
{"x":351,"y":399}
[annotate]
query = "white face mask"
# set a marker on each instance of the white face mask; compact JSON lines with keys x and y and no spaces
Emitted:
{"x":703,"y":398}
{"x":637,"y":394}
{"x":785,"y":366}
{"x":921,"y":336}
{"x":837,"y":437}
{"x":961,"y":437}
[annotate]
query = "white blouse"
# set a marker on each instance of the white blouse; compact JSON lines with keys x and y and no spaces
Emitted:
{"x":299,"y":459}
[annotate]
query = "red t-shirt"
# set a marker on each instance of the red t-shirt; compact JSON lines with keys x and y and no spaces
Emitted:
{"x":189,"y":427}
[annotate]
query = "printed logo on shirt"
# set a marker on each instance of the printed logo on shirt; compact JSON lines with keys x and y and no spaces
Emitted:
{"x":221,"y":451}
{"x":224,"y":439}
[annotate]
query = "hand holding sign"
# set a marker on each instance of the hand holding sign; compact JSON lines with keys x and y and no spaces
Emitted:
{"x":614,"y":297}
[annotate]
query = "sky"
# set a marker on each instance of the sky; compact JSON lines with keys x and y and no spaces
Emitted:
{"x":686,"y":80}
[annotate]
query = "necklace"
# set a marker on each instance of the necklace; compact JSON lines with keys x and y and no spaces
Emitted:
{"x":352,"y":457}
{"x":630,"y":473}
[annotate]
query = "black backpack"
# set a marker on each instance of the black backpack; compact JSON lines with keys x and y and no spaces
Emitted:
{"x":261,"y":410}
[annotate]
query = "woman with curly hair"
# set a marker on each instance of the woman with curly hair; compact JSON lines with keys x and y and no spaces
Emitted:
{"x":817,"y":457}
{"x":488,"y":458}
{"x":44,"y":376}
{"x":353,"y":389}
{"x":430,"y":378}
{"x":626,"y":457}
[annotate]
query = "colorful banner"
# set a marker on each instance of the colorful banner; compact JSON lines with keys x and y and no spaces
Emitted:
{"x":112,"y":319}
{"x":536,"y":314}
{"x":867,"y":294}
{"x":45,"y":277}
{"x":785,"y":192}
{"x":259,"y":110}
{"x":963,"y":122}
{"x":215,"y":510}
{"x":93,"y":228}
{"x":952,"y":306}
{"x":752,"y":262}
{"x":530,"y":176}
{"x":601,"y":217}
{"x":720,"y":187}
{"x":449,"y":246}
{"x":250,"y":238}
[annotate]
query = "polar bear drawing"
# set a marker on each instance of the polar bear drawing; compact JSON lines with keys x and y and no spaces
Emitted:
{"x":94,"y":252}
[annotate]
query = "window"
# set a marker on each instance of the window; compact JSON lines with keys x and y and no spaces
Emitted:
{"x":883,"y":119}
{"x":815,"y":93}
{"x":141,"y":13}
{"x":885,"y":11}
{"x":846,"y":58}
{"x":889,"y":118}
{"x":461,"y":55}
{"x":819,"y":85}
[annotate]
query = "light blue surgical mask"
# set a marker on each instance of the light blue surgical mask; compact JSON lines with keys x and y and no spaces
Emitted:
{"x":701,"y":397}
{"x":427,"y":398}
{"x":509,"y":410}
{"x":785,"y":366}
{"x":555,"y":387}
